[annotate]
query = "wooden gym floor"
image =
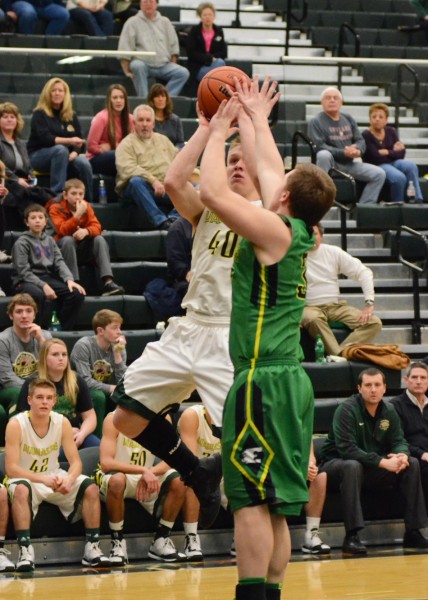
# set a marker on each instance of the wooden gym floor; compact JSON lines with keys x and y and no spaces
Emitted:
{"x":385,"y":574}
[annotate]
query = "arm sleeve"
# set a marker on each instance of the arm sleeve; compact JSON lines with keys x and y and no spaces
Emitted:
{"x":371,"y":154}
{"x":7,"y":375}
{"x":41,"y":130}
{"x":23,"y":397}
{"x":21,"y":262}
{"x":194,"y":51}
{"x":84,"y":399}
{"x":354,"y":269}
{"x":91,"y":222}
{"x":95,"y":134}
{"x":63,"y":225}
{"x":392,"y":136}
{"x":174,"y":46}
{"x":357,"y":136}
{"x":127,"y":164}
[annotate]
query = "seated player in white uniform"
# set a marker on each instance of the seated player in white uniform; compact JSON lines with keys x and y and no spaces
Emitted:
{"x":129,"y":471}
{"x":195,"y":428}
{"x":6,"y":565}
{"x":33,"y":475}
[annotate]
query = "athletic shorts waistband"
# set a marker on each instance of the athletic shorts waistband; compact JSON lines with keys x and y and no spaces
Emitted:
{"x":208,"y":321}
{"x":267,"y":362}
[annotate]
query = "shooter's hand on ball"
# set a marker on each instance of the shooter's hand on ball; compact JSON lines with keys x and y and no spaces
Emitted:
{"x":226,"y":114}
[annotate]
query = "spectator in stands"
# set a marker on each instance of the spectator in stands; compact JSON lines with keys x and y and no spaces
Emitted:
{"x":92,"y":16}
{"x":100,"y":359}
{"x":19,"y":350}
{"x":108,"y":128}
{"x":78,"y":233}
{"x":383,"y":148}
{"x":366,"y":449}
{"x":73,"y":396}
{"x":196,"y":430}
{"x":122,"y":10}
{"x":13,"y":152}
{"x":206,"y":46}
{"x":6,"y":565}
{"x":340,"y":145}
{"x":142,"y":160}
{"x":56,"y":144}
{"x":40,"y":270}
{"x":26,"y":13}
{"x":150,"y":31}
{"x":324,"y":264}
{"x":412,"y":408}
{"x":179,"y":254}
{"x":33,"y":441}
{"x":166,"y":122}
{"x":129,"y":471}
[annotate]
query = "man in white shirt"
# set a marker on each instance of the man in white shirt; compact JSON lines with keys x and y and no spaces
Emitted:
{"x":324,"y":305}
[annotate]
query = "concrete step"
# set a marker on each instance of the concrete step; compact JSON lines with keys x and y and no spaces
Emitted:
{"x":263,"y":35}
{"x":356,"y":240}
{"x":223,"y":17}
{"x":306,"y":73}
{"x":401,"y":335}
{"x":389,"y":302}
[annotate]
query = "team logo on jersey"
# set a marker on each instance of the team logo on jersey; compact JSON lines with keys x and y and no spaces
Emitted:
{"x":25,"y":364}
{"x":252,"y":456}
{"x":102,"y":370}
{"x":384,"y":425}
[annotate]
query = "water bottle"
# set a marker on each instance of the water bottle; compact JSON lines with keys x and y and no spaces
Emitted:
{"x":55,"y":322}
{"x":319,"y":350}
{"x":411,"y":192}
{"x":102,"y":193}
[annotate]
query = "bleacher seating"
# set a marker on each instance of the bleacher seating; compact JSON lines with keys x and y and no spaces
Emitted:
{"x":139,"y":255}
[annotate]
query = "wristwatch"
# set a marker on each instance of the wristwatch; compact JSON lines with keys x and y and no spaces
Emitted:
{"x":369,"y":302}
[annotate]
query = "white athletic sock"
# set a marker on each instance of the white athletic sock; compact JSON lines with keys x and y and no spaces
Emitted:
{"x":190,"y":528}
{"x":313,"y":523}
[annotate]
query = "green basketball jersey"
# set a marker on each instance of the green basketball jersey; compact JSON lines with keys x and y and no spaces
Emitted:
{"x":267,"y":301}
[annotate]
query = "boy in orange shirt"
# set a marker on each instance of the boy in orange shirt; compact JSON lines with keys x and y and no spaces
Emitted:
{"x":78,"y":234}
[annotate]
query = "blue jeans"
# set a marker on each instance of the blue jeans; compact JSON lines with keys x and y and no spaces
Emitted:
{"x":56,"y":15}
{"x":398,"y":174}
{"x":141,"y":193}
{"x":219,"y":62}
{"x":372,"y":175}
{"x":55,"y":161}
{"x":100,"y":23}
{"x":174,"y":75}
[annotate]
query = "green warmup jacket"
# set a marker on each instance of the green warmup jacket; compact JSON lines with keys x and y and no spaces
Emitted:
{"x":356,"y":435}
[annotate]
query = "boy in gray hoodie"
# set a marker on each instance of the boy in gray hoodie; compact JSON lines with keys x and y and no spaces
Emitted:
{"x":40,"y":270}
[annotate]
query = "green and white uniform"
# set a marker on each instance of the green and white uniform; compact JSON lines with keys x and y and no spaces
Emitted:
{"x":40,"y":455}
{"x":133,"y":453}
{"x":268,"y":418}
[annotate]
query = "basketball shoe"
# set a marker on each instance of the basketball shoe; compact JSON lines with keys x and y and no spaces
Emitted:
{"x":93,"y":556}
{"x":163,"y":549}
{"x":314,"y":544}
{"x":118,"y":553}
{"x":25,"y":559}
{"x":192,"y":547}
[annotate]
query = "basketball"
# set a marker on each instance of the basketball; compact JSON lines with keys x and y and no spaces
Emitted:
{"x":212,"y":88}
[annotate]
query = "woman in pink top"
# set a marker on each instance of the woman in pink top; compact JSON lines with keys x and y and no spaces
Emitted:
{"x":108,"y":128}
{"x":206,"y":46}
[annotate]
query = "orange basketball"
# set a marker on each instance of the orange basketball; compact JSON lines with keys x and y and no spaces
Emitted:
{"x":212,"y":88}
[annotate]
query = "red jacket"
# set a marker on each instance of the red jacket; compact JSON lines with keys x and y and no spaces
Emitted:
{"x":66,"y":224}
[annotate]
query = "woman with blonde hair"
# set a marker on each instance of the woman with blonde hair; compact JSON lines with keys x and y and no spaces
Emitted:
{"x":73,"y":395}
{"x":56,"y":144}
{"x":166,"y":122}
{"x":108,"y":128}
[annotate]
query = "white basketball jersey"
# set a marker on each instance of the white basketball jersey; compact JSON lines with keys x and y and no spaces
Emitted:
{"x":208,"y":443}
{"x":40,"y":454}
{"x":214,"y":246}
{"x":133,"y":453}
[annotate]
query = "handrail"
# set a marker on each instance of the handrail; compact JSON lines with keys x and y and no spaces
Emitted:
{"x":341,"y":51}
{"x":237,"y":21}
{"x":416,"y":271}
{"x":294,"y":144}
{"x":75,"y":52}
{"x":289,"y":15}
{"x":344,"y":208}
{"x":402,"y":94}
